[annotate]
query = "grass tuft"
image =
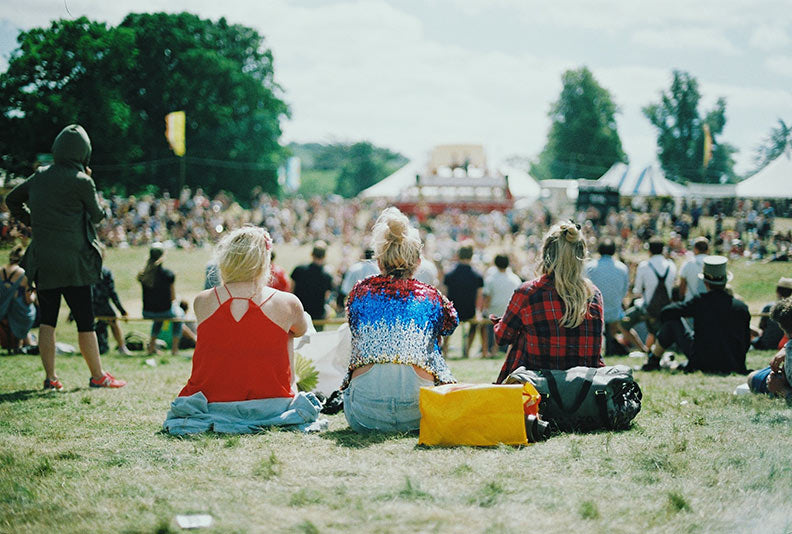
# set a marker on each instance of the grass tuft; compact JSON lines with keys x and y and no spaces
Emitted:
{"x":306,"y":527}
{"x":268,"y":467}
{"x":412,"y":492}
{"x":305,"y":497}
{"x":589,"y":510}
{"x":488,"y":495}
{"x":43,"y":469}
{"x":677,"y":502}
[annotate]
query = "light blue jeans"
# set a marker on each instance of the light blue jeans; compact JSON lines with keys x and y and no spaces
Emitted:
{"x":385,"y":399}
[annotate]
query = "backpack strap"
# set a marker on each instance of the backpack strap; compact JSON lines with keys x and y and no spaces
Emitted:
{"x":660,"y":279}
{"x":581,"y":395}
{"x":601,"y":398}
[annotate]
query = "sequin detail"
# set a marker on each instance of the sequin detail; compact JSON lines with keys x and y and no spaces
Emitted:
{"x":399,"y":321}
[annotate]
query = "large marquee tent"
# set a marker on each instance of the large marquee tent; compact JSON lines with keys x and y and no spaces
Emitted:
{"x":774,"y":181}
{"x":646,"y":182}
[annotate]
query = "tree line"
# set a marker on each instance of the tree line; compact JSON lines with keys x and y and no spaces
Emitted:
{"x":583,"y":140}
{"x":121,"y":81}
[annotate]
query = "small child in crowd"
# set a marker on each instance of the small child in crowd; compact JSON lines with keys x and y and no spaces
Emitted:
{"x":777,"y":377}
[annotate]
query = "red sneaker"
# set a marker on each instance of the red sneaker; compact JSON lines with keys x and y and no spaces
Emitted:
{"x":53,"y":385}
{"x":107,"y":381}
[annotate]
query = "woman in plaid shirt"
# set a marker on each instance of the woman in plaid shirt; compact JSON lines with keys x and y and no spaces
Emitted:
{"x":554,"y":321}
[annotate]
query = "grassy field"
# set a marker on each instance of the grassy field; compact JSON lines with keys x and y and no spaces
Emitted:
{"x":698,"y":458}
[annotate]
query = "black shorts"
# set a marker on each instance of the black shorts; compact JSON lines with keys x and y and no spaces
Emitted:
{"x":78,"y":298}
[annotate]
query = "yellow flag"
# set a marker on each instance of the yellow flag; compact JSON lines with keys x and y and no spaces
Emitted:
{"x":174,"y":131}
{"x":707,"y":144}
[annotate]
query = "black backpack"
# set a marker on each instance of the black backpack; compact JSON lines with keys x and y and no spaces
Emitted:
{"x":660,"y":298}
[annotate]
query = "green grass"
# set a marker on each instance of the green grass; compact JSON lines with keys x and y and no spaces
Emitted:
{"x":698,"y":459}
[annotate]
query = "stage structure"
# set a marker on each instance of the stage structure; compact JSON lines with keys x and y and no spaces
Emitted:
{"x":454,"y":177}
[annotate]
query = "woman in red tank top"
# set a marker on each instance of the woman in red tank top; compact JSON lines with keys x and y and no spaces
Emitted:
{"x":245,"y":329}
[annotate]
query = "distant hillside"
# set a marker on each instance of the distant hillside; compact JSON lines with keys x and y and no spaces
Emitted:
{"x":343,"y":168}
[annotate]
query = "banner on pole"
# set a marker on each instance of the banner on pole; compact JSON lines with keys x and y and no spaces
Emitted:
{"x":175,"y":123}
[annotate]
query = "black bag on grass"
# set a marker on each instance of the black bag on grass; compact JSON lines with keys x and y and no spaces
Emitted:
{"x":582,"y":399}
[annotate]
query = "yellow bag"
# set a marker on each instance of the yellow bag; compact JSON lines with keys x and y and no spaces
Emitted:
{"x":476,"y":414}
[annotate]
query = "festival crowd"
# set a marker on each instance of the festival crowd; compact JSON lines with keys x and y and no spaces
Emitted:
{"x":546,"y":301}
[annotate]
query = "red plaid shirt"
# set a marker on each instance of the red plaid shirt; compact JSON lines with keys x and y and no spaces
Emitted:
{"x":532,"y":325}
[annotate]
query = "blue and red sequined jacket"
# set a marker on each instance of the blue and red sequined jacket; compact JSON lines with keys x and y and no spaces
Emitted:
{"x":399,"y":321}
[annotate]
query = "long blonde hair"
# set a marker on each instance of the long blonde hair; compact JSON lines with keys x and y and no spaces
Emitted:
{"x":563,"y":253}
{"x":244,"y":255}
{"x":397,"y":245}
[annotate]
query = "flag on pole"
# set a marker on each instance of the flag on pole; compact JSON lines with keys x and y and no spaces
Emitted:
{"x":707,"y":144}
{"x":175,"y":122}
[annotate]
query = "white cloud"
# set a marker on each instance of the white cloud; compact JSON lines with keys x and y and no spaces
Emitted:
{"x":780,"y":65}
{"x":370,"y":70}
{"x":769,"y":37}
{"x":689,"y":39}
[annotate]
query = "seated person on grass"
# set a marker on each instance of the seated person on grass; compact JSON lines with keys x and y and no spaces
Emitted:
{"x":769,"y":334}
{"x":777,"y":377}
{"x":721,"y":333}
{"x":243,"y":366}
{"x":554,"y":321}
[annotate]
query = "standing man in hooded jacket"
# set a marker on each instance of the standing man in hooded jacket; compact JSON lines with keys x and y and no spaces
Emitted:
{"x":59,"y":203}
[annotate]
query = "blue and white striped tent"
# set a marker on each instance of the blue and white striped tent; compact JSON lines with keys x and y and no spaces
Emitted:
{"x":646,"y":182}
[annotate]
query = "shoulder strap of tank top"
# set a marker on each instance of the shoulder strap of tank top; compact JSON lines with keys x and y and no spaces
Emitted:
{"x":272,"y":293}
{"x":216,"y":295}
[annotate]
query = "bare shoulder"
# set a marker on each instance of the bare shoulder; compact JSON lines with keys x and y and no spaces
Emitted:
{"x":288,"y":301}
{"x":205,"y":304}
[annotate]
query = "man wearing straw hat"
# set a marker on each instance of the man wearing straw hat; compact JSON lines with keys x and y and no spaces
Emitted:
{"x":721,"y":335}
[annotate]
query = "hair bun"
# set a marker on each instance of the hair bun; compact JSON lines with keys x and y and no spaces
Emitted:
{"x":571,"y":232}
{"x":397,"y":228}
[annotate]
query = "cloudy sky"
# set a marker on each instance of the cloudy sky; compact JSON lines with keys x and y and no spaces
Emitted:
{"x":410,"y":74}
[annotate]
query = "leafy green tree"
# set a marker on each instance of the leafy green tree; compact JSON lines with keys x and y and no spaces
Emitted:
{"x":69,"y":72}
{"x":778,"y":141}
{"x":343,"y":168}
{"x":583,"y":141}
{"x":361,"y":170}
{"x":681,"y":134}
{"x":121,"y":82}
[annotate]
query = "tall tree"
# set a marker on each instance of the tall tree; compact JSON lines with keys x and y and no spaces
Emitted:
{"x":583,"y":141}
{"x":682,"y":135}
{"x":121,"y":82}
{"x":776,"y":143}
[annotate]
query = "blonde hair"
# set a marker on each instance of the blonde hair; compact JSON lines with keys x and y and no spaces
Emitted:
{"x":244,"y":255}
{"x":563,"y":253}
{"x":397,"y":245}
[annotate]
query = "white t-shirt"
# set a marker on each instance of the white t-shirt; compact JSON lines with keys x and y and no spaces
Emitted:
{"x":689,"y":272}
{"x":646,"y":279}
{"x":500,"y":286}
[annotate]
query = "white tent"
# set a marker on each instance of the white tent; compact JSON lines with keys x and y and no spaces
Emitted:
{"x":648,"y":182}
{"x":774,"y":181}
{"x":394,"y":184}
{"x":522,"y":184}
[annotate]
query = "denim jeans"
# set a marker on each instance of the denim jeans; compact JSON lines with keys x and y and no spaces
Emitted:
{"x":174,"y":313}
{"x":385,"y":399}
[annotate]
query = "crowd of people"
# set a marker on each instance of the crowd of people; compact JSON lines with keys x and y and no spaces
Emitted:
{"x":530,"y":276}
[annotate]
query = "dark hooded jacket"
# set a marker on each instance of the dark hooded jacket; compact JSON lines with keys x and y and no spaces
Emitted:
{"x":59,"y":203}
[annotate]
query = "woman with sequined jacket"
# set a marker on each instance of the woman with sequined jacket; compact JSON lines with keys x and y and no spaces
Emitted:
{"x":397,"y":323}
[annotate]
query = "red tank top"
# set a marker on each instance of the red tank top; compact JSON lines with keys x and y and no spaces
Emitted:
{"x":240,"y":360}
